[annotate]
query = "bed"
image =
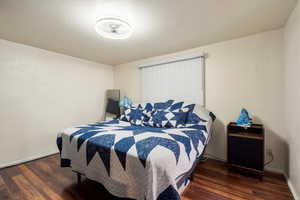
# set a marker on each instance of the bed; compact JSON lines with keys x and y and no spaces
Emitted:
{"x":142,"y":162}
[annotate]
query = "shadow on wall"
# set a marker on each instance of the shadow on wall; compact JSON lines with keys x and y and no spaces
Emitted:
{"x":217,"y":144}
{"x":279,"y":148}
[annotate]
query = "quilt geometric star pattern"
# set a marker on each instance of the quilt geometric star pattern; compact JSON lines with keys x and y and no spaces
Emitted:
{"x":130,"y":154}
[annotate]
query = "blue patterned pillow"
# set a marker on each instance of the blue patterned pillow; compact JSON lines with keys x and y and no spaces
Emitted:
{"x":200,"y":116}
{"x":125,"y":115}
{"x":136,"y":116}
{"x":163,"y":105}
{"x":193,"y":119}
{"x":167,"y":119}
{"x":150,"y":107}
{"x":188,"y":108}
{"x":177,"y":106}
{"x":147,"y":108}
{"x":133,"y":115}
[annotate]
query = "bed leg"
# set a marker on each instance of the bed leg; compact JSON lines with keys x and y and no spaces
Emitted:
{"x":78,"y":178}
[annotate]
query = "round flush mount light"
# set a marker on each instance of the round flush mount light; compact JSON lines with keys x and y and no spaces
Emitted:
{"x":113,"y":28}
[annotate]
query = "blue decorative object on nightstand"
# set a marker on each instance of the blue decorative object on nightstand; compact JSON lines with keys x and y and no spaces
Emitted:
{"x":125,"y":102}
{"x":244,"y":119}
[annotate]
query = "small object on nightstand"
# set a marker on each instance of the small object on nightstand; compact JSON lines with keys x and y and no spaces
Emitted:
{"x":245,"y":148}
{"x":125,"y":102}
{"x":244,"y":120}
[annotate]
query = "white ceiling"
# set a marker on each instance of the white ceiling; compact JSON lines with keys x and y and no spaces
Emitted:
{"x":160,"y":26}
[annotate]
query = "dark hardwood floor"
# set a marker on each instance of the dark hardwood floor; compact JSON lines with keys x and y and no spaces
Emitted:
{"x":43,"y":179}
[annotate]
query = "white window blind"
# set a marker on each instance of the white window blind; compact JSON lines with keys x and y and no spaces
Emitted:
{"x":181,"y":80}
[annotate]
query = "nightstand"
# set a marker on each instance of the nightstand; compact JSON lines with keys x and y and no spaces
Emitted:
{"x":245,"y":148}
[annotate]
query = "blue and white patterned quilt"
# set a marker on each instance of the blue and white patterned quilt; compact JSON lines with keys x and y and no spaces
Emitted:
{"x":138,"y":162}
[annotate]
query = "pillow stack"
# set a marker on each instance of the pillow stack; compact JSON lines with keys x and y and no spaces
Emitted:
{"x":167,"y":119}
{"x":169,"y":114}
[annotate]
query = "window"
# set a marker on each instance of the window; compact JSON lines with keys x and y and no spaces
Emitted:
{"x":178,"y":79}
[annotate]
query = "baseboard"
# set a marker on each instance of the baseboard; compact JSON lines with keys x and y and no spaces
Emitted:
{"x":275,"y":170}
{"x":291,"y":187}
{"x":214,"y":158}
{"x":35,"y":157}
{"x":296,"y":197}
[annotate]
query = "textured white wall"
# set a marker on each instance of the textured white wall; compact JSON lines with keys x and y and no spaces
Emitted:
{"x":42,"y":92}
{"x":292,"y":97}
{"x":245,"y":72}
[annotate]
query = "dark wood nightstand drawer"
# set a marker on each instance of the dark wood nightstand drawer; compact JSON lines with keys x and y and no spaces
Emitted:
{"x":246,"y":152}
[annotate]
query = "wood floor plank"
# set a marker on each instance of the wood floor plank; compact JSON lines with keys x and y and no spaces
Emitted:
{"x":218,"y":191}
{"x":30,"y":193}
{"x":197,"y":193}
{"x":12,"y":188}
{"x":1,"y":181}
{"x":44,"y":179}
{"x":228,"y":189}
{"x":246,"y":182}
{"x":4,"y":193}
{"x":58,"y":185}
{"x":233,"y":187}
{"x":36,"y":181}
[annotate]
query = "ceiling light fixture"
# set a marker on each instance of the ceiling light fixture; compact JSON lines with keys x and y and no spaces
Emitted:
{"x":113,"y":28}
